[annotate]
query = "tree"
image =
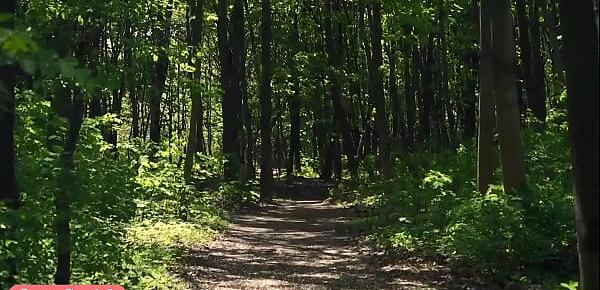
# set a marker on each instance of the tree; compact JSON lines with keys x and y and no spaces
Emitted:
{"x":265,"y":95}
{"x":197,"y":14}
{"x":9,"y":194}
{"x":533,"y":69}
{"x":505,"y":97}
{"x":485,"y":136}
{"x":580,"y":30}
{"x":409,"y":94}
{"x":377,"y":91}
{"x":294,"y":155}
{"x":229,"y":36}
{"x":163,"y":36}
{"x":334,"y":41}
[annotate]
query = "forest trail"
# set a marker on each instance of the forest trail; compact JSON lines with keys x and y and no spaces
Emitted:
{"x":301,"y":244}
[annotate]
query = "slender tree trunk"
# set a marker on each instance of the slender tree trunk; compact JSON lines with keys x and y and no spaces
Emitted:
{"x":239,"y":50}
{"x":505,"y":97}
{"x":469,"y":119}
{"x":398,"y":125}
{"x":195,"y":39}
{"x":135,"y":109}
{"x":294,"y":152}
{"x":485,"y":136}
{"x":335,"y":57}
{"x":8,"y":78}
{"x":294,"y":106}
{"x":266,"y":166}
{"x":409,"y":92}
{"x":443,"y":98}
{"x":377,"y":91}
{"x":64,"y":195}
{"x":551,"y":29}
{"x":163,"y":35}
{"x":538,"y":101}
{"x":581,"y":56}
{"x":9,"y":194}
{"x":530,"y":54}
{"x":427,"y":96}
{"x":230,"y":58}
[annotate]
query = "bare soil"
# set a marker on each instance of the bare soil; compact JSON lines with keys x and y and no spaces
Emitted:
{"x":304,"y":244}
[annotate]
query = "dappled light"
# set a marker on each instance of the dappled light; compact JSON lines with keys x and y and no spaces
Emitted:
{"x":300,"y":244}
{"x":299,"y":144}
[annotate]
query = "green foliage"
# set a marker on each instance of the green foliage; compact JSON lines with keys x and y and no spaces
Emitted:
{"x":132,"y":214}
{"x":434,"y":209}
{"x":570,"y":285}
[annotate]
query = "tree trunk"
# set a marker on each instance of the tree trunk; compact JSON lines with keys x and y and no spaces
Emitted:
{"x":534,"y":84}
{"x":266,"y":166}
{"x":398,"y":121}
{"x":135,"y":109}
{"x":581,"y":56}
{"x":442,"y":100}
{"x":538,"y":101}
{"x":551,"y":29}
{"x":294,"y":107}
{"x":409,"y":92}
{"x":340,"y":118}
{"x":505,"y":97}
{"x":485,"y":140}
{"x":245,"y":114}
{"x":230,"y":54}
{"x":65,"y":193}
{"x":427,"y":96}
{"x":470,"y":97}
{"x":163,"y":35}
{"x":294,"y":152}
{"x":377,"y":91}
{"x":9,"y":194}
{"x":195,"y":39}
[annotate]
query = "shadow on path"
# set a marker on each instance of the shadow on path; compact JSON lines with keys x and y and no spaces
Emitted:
{"x":301,"y":244}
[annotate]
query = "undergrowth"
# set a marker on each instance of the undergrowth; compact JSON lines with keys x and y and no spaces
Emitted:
{"x":434,"y":209}
{"x":133,"y":216}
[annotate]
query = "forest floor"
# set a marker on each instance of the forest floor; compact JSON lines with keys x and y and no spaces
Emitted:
{"x":305,"y":243}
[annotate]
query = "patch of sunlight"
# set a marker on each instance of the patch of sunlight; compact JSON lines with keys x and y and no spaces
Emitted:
{"x":158,"y":248}
{"x":169,"y":234}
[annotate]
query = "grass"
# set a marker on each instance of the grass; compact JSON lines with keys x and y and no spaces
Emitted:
{"x":157,"y":247}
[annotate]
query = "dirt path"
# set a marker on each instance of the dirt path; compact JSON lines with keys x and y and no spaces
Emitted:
{"x":301,"y":245}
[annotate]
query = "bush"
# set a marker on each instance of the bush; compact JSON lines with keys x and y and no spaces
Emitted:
{"x":121,"y":199}
{"x":434,"y":208}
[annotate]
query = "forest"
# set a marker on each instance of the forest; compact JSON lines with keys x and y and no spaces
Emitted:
{"x":299,"y":144}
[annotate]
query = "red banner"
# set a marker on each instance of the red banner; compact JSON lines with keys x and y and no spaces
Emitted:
{"x":67,"y":287}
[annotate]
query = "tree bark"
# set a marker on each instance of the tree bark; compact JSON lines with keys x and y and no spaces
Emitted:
{"x":163,"y":35}
{"x":538,"y":100}
{"x":505,"y":97}
{"x":377,"y":91}
{"x":485,"y":140}
{"x":229,"y":51}
{"x":64,"y":195}
{"x":581,"y":56}
{"x":530,"y":55}
{"x":9,"y":194}
{"x":398,"y":119}
{"x":442,"y":100}
{"x":551,"y":29}
{"x":409,"y":92}
{"x":427,"y":96}
{"x":195,"y":39}
{"x":294,"y":161}
{"x":266,"y":166}
{"x":469,"y":114}
{"x":335,"y":57}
